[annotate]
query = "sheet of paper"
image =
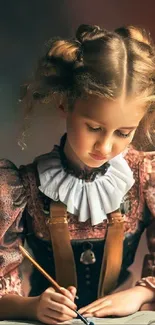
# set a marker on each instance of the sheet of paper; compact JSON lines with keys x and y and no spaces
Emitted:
{"x":139,"y":318}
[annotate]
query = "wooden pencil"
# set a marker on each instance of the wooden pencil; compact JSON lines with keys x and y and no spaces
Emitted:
{"x":47,"y":276}
{"x":51,"y":280}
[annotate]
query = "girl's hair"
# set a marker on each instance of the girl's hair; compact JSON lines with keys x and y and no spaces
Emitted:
{"x":97,"y":62}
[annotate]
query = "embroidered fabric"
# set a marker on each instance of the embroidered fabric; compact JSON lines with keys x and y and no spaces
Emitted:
{"x":148,"y":282}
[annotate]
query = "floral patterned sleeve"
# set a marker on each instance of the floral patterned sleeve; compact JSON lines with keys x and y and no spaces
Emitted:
{"x":148,"y":271}
{"x":12,"y":204}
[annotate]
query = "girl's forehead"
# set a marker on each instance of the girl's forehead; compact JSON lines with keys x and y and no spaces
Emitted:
{"x":105,"y":110}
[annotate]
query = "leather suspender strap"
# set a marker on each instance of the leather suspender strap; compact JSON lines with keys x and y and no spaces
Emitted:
{"x":63,"y":254}
{"x":113,"y":252}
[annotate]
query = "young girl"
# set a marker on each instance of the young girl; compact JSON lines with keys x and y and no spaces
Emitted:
{"x":83,"y":207}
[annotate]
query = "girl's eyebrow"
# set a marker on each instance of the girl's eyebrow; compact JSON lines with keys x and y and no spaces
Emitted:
{"x":128,"y":127}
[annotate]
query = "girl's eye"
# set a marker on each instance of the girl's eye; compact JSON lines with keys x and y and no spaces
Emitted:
{"x":123,"y":135}
{"x":93,"y":129}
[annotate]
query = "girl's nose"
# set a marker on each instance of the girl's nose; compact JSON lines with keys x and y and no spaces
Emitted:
{"x":104,"y":147}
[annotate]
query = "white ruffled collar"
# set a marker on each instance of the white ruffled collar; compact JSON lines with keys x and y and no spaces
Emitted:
{"x":92,"y":200}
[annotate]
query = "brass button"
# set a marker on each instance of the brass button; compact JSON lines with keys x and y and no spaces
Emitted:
{"x":46,"y":211}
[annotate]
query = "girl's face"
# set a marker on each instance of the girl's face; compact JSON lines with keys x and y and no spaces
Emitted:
{"x":100,"y":129}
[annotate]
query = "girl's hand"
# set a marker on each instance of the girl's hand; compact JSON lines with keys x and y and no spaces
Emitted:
{"x":119,"y":304}
{"x":53,"y":307}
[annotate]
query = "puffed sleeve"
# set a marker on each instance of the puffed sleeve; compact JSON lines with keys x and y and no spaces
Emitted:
{"x":12,"y":205}
{"x":148,"y":270}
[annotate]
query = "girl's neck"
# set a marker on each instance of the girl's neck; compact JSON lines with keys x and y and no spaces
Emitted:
{"x":73,"y":158}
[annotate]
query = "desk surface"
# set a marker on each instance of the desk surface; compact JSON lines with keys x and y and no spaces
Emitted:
{"x":139,"y":318}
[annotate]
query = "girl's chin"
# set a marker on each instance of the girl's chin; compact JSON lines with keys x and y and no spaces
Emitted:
{"x":94,"y":164}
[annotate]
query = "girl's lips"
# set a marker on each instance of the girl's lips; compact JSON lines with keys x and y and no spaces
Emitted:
{"x":97,"y":157}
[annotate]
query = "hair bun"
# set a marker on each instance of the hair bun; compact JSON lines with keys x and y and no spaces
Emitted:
{"x":140,"y":35}
{"x":89,"y":33}
{"x":136,"y":33}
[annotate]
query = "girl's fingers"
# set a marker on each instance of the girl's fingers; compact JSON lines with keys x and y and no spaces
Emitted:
{"x":92,"y":305}
{"x":60,"y":309}
{"x":73,"y":291}
{"x":68,"y":292}
{"x":107,"y":311}
{"x":98,"y":306}
{"x":61,"y":299}
{"x":58,"y":315}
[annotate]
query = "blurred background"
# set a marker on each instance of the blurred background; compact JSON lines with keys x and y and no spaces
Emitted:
{"x":25,"y":27}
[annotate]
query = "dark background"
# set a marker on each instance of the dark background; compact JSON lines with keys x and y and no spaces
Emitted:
{"x":25,"y":26}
